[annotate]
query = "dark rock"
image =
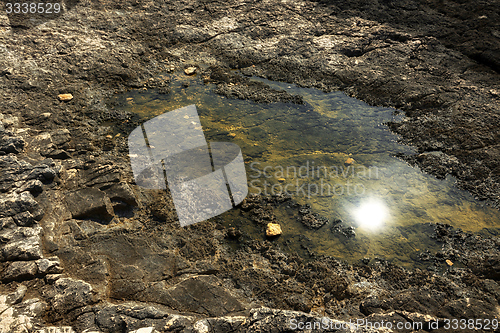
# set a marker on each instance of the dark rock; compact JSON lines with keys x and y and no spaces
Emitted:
{"x":43,"y":173}
{"x":102,"y":174}
{"x":346,"y":231}
{"x":7,"y":223}
{"x":61,"y":138}
{"x":19,"y":270}
{"x":58,"y":154}
{"x":89,"y":202}
{"x":14,"y":204}
{"x":34,"y":186}
{"x":231,"y":85}
{"x":200,"y":294}
{"x":233,"y":233}
{"x":311,"y":220}
{"x":67,"y":294}
{"x":11,"y":144}
{"x":24,"y":246}
{"x":122,"y":192}
{"x":24,"y":219}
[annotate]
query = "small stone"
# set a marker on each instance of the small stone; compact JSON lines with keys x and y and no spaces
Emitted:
{"x":449,"y":262}
{"x":190,"y":70}
{"x":46,"y":115}
{"x":130,"y":99}
{"x":281,"y":180}
{"x":232,"y":135}
{"x":350,"y":161}
{"x":65,"y":97}
{"x":273,"y":229}
{"x":109,"y":137}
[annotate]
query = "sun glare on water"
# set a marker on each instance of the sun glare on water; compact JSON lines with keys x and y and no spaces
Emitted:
{"x":371,"y":215}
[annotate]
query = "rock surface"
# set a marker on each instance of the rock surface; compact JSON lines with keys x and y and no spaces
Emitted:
{"x":83,"y":248}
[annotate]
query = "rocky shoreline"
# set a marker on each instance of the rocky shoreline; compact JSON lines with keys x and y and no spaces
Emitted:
{"x":83,"y":248}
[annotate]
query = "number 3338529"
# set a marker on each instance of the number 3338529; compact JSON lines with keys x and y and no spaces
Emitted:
{"x":32,"y":8}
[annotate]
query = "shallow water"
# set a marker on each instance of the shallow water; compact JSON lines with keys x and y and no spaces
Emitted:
{"x":302,"y":150}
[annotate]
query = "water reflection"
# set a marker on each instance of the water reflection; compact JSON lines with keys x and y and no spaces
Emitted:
{"x":334,"y":154}
{"x":371,"y":215}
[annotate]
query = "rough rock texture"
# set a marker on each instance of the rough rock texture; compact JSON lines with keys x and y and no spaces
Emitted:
{"x":81,"y":246}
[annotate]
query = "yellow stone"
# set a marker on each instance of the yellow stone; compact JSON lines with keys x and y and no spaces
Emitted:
{"x":109,"y":136}
{"x":281,"y":180}
{"x":350,"y":161}
{"x":273,"y":229}
{"x":449,"y":262}
{"x":65,"y":97}
{"x":232,"y":135}
{"x":190,"y":70}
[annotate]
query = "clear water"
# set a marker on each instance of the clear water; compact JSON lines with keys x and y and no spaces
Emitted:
{"x":303,"y":149}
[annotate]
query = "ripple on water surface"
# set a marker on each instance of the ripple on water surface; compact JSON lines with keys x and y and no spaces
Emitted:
{"x":335,"y":154}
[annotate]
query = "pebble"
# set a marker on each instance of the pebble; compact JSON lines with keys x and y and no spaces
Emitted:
{"x":350,"y":161}
{"x":190,"y":70}
{"x":273,"y":229}
{"x":65,"y":97}
{"x":232,"y":135}
{"x":449,"y":262}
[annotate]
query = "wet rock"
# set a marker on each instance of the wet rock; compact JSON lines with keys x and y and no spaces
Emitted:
{"x":89,"y":202}
{"x":233,"y":233}
{"x":346,"y":231}
{"x":235,"y":86}
{"x":310,"y":219}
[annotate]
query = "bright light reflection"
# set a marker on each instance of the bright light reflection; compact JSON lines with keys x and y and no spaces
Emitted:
{"x":371,"y":214}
